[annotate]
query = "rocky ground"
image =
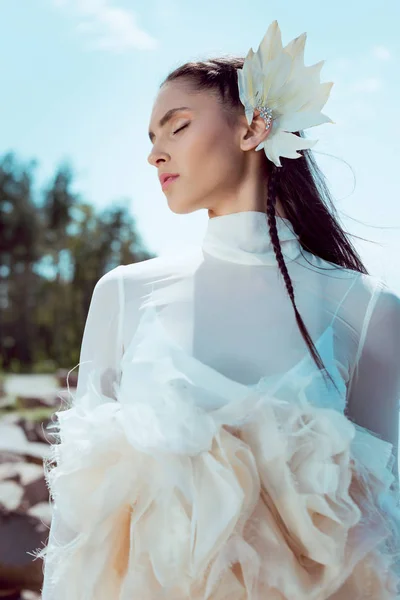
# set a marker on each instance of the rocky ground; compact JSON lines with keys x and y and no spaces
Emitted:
{"x":27,"y":403}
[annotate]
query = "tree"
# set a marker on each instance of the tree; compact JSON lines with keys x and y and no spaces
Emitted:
{"x":53,"y":250}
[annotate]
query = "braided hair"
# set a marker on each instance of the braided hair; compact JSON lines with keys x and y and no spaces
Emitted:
{"x":303,"y":192}
{"x":270,"y":203}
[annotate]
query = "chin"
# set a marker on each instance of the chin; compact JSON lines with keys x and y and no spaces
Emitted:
{"x":181,"y":208}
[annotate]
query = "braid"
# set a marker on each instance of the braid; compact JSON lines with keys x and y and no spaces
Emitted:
{"x":271,"y":214}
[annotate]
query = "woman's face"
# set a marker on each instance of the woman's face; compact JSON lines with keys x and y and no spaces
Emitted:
{"x":197,"y":143}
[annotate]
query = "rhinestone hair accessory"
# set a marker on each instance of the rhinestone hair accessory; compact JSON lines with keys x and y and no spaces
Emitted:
{"x":288,"y":95}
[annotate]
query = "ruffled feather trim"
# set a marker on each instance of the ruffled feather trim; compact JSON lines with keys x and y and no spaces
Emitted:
{"x":259,"y":499}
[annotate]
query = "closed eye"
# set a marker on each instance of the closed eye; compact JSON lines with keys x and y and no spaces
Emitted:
{"x":180,"y":129}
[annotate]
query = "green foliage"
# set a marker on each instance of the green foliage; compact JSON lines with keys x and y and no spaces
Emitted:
{"x":15,"y":366}
{"x":54,"y":247}
{"x":44,"y":367}
{"x":31,"y":414}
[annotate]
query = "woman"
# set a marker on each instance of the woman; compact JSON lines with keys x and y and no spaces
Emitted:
{"x":234,"y":430}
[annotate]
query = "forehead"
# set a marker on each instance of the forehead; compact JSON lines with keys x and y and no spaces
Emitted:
{"x":177,"y":93}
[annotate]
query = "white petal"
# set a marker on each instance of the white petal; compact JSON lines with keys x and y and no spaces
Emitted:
{"x":271,"y":152}
{"x":271,"y":44}
{"x":271,"y":64}
{"x":296,"y":47}
{"x":247,"y":88}
{"x":313,"y":73}
{"x":243,"y":83}
{"x":287,"y":144}
{"x":263,"y":77}
{"x":292,"y":98}
{"x":303,"y":86}
{"x":318,"y":101}
{"x":295,"y":50}
{"x":280,"y":72}
{"x":302,"y":120}
{"x":249,"y":112}
{"x":306,"y":78}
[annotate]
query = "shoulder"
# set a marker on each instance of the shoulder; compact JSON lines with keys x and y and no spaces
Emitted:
{"x":361,"y":299}
{"x":380,"y":315}
{"x":385,"y":302}
{"x":159,"y":267}
{"x":387,"y":310}
{"x":110,"y":279}
{"x":368,"y":293}
{"x":135,"y":280}
{"x":133,"y":272}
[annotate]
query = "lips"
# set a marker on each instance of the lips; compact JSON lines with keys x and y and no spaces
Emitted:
{"x":167,"y":178}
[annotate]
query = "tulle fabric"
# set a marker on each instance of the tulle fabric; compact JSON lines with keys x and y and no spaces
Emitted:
{"x":178,"y":497}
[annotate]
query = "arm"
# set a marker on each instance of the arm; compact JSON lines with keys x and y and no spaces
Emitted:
{"x":101,"y":350}
{"x":374,"y":389}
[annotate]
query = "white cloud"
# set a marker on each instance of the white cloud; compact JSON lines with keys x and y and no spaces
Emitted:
{"x":381,"y":52}
{"x":169,"y":12}
{"x":342,"y":64}
{"x":368,"y":85}
{"x":108,"y":27}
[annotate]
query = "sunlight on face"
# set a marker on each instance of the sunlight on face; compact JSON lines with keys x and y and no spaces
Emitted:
{"x":197,"y":143}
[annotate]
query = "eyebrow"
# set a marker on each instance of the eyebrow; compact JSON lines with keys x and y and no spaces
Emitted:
{"x":167,"y":117}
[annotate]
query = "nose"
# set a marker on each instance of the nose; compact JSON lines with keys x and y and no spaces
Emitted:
{"x":156,"y":157}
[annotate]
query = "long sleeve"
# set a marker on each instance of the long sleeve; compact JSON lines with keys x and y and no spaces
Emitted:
{"x":100,"y":354}
{"x":374,"y":391}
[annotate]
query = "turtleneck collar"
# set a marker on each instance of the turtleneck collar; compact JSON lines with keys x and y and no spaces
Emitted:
{"x":243,"y":237}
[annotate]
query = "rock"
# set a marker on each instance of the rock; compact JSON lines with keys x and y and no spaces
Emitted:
{"x":30,"y":479}
{"x":66,"y":396}
{"x":21,"y":535}
{"x":10,"y":418}
{"x":55,"y":400}
{"x":24,"y":473}
{"x":17,"y":595}
{"x":67,"y":378}
{"x":9,"y":472}
{"x":9,"y":457}
{"x":44,"y":401}
{"x":10,"y":594}
{"x":42,"y":511}
{"x":43,"y":434}
{"x":21,"y":385}
{"x":36,"y":431}
{"x":35,"y":492}
{"x":12,"y":439}
{"x":28,"y":595}
{"x":11,"y":494}
{"x":7,"y":403}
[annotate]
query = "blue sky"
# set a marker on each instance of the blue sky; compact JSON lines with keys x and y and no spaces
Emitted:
{"x":79,"y":78}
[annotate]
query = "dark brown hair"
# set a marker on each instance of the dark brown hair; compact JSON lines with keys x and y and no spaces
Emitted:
{"x":299,"y":183}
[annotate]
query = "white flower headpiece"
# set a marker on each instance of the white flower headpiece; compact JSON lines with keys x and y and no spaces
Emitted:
{"x":288,"y":94}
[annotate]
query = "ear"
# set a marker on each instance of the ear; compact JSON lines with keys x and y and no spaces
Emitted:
{"x":255,"y":133}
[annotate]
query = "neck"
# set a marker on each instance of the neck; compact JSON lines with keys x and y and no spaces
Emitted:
{"x":250,"y":194}
{"x":233,"y":209}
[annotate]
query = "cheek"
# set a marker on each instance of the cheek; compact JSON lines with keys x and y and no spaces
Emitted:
{"x":211,"y":155}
